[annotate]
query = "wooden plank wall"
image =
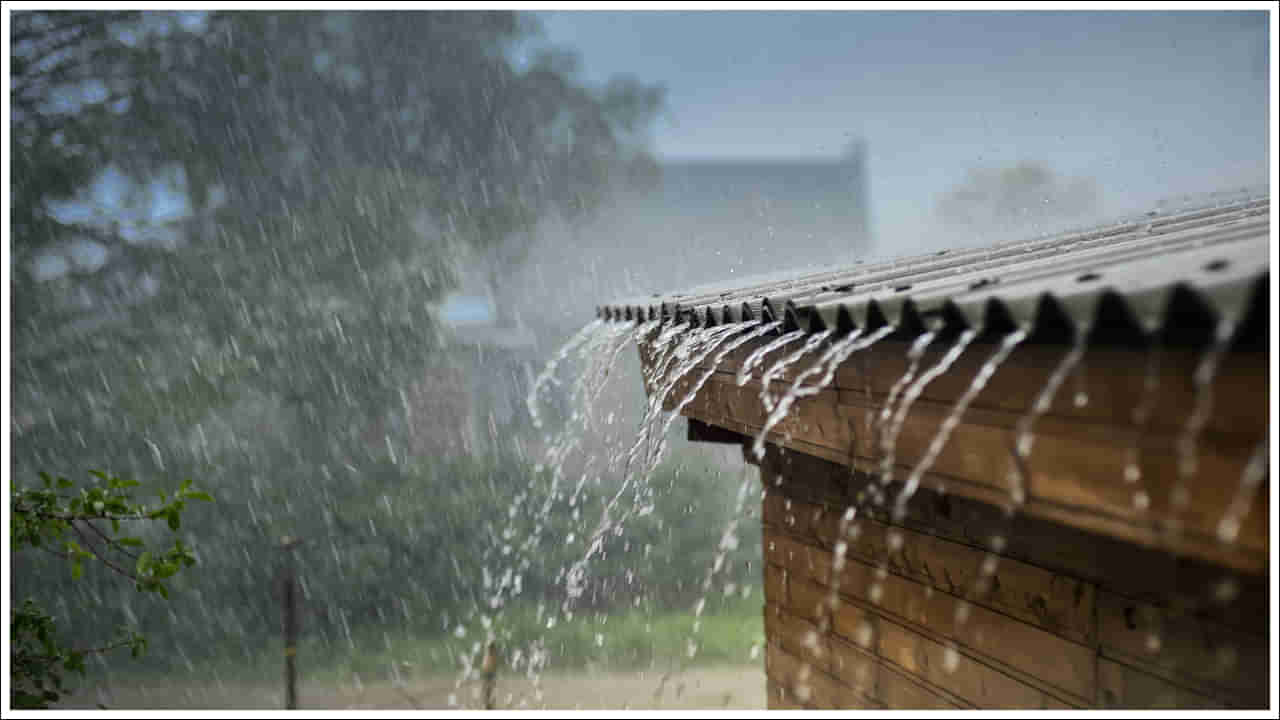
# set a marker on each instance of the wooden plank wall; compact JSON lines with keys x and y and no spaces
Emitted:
{"x":1100,"y":591}
{"x":1075,"y":474}
{"x":925,"y":614}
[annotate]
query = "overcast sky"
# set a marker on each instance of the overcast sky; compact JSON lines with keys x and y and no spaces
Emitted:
{"x":1150,"y":104}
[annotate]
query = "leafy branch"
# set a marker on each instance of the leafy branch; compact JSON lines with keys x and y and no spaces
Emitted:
{"x":61,"y":519}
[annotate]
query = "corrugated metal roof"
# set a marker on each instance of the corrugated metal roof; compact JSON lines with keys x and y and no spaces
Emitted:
{"x":1218,"y":256}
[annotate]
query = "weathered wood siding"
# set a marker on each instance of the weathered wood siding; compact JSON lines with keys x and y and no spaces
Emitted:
{"x":927,"y":615}
{"x":1075,"y":474}
{"x":1098,"y":592}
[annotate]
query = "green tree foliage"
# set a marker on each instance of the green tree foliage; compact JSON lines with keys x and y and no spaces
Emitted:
{"x":79,"y":525}
{"x":335,"y":165}
{"x":1010,"y":198}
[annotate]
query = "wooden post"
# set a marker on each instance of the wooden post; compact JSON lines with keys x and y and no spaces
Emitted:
{"x":489,"y":674}
{"x":289,"y":616}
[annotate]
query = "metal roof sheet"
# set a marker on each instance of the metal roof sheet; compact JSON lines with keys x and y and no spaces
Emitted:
{"x":1220,"y":255}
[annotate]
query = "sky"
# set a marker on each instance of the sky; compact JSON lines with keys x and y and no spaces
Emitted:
{"x":1151,"y":105}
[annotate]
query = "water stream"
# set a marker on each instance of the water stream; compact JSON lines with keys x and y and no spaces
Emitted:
{"x":1188,"y":444}
{"x":827,"y":365}
{"x":760,"y":329}
{"x":1141,"y":417}
{"x":679,"y":355}
{"x":980,"y":380}
{"x":780,"y":366}
{"x":548,"y":372}
{"x":913,"y":392}
{"x":596,"y":348}
{"x":914,"y":354}
{"x":757,"y":356}
{"x":1024,"y":438}
{"x":692,"y":350}
{"x":1255,"y":471}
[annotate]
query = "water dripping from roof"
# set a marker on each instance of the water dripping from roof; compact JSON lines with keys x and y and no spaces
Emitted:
{"x":780,"y":366}
{"x":757,"y":356}
{"x":1024,"y":438}
{"x":913,"y":392}
{"x":1188,"y":444}
{"x":827,"y":365}
{"x":980,"y":380}
{"x":1255,"y":471}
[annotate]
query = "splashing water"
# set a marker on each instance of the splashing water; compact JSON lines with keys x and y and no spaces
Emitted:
{"x":695,"y":346}
{"x":598,"y":345}
{"x":548,"y":372}
{"x":913,"y":392}
{"x":1023,"y":437}
{"x":757,"y":355}
{"x":728,"y":543}
{"x":827,"y":364}
{"x":980,"y":380}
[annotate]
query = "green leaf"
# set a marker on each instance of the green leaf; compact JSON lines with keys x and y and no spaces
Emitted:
{"x":175,"y":521}
{"x":77,"y":569}
{"x":144,"y":562}
{"x":129,"y":541}
{"x":197,"y":495}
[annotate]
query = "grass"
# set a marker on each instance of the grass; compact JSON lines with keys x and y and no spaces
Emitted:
{"x":726,"y":633}
{"x":729,"y":632}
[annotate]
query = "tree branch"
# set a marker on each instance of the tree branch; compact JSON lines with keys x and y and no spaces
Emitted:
{"x":89,"y":543}
{"x":110,"y":542}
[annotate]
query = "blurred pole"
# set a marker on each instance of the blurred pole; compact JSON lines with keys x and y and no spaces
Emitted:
{"x":289,"y":613}
{"x":489,"y":673}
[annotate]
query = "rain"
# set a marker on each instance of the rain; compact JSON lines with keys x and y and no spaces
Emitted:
{"x":614,"y":360}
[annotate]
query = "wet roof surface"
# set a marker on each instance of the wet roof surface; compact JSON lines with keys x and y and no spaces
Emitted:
{"x":1156,"y":274}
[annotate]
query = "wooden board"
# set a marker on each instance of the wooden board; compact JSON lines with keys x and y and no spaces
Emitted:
{"x":896,"y":632}
{"x":1076,"y":473}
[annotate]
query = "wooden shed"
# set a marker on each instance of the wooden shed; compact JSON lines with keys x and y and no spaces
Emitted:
{"x":932,"y":538}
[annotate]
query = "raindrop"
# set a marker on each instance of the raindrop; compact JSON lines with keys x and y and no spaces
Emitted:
{"x":864,"y":634}
{"x":1226,"y":591}
{"x":1141,"y":501}
{"x":1153,"y":643}
{"x":1250,"y":481}
{"x":950,"y":660}
{"x":875,"y":592}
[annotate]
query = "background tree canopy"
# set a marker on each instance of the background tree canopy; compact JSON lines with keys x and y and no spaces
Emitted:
{"x":1008,"y":198}
{"x":229,"y":233}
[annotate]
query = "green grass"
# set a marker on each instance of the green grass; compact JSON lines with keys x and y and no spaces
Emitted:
{"x":725,"y":634}
{"x":729,"y":632}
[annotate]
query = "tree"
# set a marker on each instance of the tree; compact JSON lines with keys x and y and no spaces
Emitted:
{"x":68,"y":524}
{"x":331,"y":166}
{"x":1008,"y":198}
